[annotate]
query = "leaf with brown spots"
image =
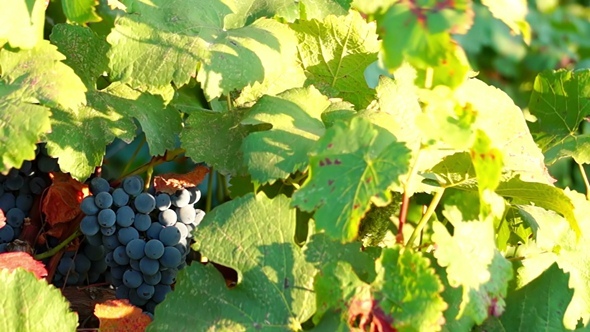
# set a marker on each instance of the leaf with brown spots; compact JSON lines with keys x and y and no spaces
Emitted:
{"x":62,"y":201}
{"x":13,"y":260}
{"x":171,"y":182}
{"x":121,"y":316}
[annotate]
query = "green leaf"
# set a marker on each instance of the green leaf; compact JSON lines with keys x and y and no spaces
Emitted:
{"x":352,"y":165}
{"x":295,"y":116}
{"x":409,"y":290}
{"x":227,"y":59}
{"x":560,"y":103}
{"x":332,"y":51}
{"x":321,"y":251}
{"x":79,"y":139}
{"x":555,"y":241}
{"x":473,"y":263}
{"x":253,"y":235}
{"x":31,"y":305}
{"x":22,"y":22}
{"x":487,"y":162}
{"x":28,"y":86}
{"x":513,"y":13}
{"x":202,"y":142}
{"x":577,"y":147}
{"x":80,"y":11}
{"x":540,"y":304}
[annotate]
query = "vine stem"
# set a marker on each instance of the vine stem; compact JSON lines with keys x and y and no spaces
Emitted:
{"x":433,"y":204}
{"x":59,"y":247}
{"x":208,"y":203}
{"x":220,"y":190}
{"x":399,"y":238}
{"x":134,"y":155}
{"x":168,"y":156}
{"x":585,"y":178}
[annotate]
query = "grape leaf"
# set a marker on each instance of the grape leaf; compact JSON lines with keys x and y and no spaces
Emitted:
{"x":253,"y":235}
{"x":61,"y":201}
{"x":79,"y":139}
{"x":12,"y":260}
{"x":81,"y":11}
{"x":577,"y":147}
{"x":332,"y":51}
{"x":540,"y":304}
{"x":556,"y":241}
{"x":120,"y":315}
{"x":28,"y":304}
{"x":295,"y":116}
{"x":28,"y":79}
{"x":22,"y":22}
{"x":352,"y":165}
{"x":409,"y":290}
{"x":172,"y":182}
{"x":513,"y":13}
{"x":229,"y":58}
{"x":473,"y":263}
{"x":201,"y":139}
{"x":560,"y":102}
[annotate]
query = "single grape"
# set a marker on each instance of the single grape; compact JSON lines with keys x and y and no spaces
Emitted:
{"x":110,"y":242}
{"x":94,"y":253}
{"x":142,"y":222}
{"x":122,"y":292}
{"x":145,"y":203}
{"x":26,"y":168}
{"x":99,"y":185}
{"x":120,"y":197}
{"x":171,"y":257}
{"x":134,"y":263}
{"x":182,"y":248}
{"x":200,"y":214}
{"x":82,"y":263}
{"x":15,"y":217}
{"x":24,"y":201}
{"x":7,"y":201}
{"x":118,"y":271}
{"x":133,"y":185}
{"x":145,"y":291}
{"x":169,"y":276}
{"x":132,"y":278}
{"x":182,"y":229}
{"x":73,"y":278}
{"x":98,"y":266}
{"x":95,"y":240}
{"x":65,"y":264}
{"x":135,"y":249}
{"x":103,"y":200}
{"x":186,"y":214}
{"x":160,"y":292}
{"x":6,"y":233}
{"x":107,"y":218}
{"x":195,"y":195}
{"x":126,"y":234}
{"x":163,"y":201}
{"x":108,"y":231}
{"x":154,"y":249}
{"x":154,"y":231}
{"x":14,"y":183}
{"x":169,"y":236}
{"x":181,"y":198}
{"x":125,"y":216}
{"x":88,"y":206}
{"x":110,"y":259}
{"x":153,"y":279}
{"x":115,"y":282}
{"x":120,"y":256}
{"x":149,"y":266}
{"x":37,"y":185}
{"x":135,"y":299}
{"x":167,"y":217}
{"x":89,"y":225}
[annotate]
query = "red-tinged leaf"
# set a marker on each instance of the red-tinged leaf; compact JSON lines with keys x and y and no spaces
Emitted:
{"x":2,"y":219}
{"x":62,"y":230}
{"x":170,"y":182}
{"x":13,"y":260}
{"x":120,"y":315}
{"x":62,"y":201}
{"x":369,"y":316}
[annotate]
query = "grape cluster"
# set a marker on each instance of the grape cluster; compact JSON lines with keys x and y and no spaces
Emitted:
{"x":146,"y":237}
{"x":82,"y":267}
{"x":18,"y":190}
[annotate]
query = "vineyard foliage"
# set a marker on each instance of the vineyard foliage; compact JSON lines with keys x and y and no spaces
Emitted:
{"x":324,"y":114}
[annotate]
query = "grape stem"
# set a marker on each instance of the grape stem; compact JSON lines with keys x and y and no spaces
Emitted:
{"x":134,"y":155}
{"x":433,"y":204}
{"x":585,"y":178}
{"x":59,"y":247}
{"x":403,"y":215}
